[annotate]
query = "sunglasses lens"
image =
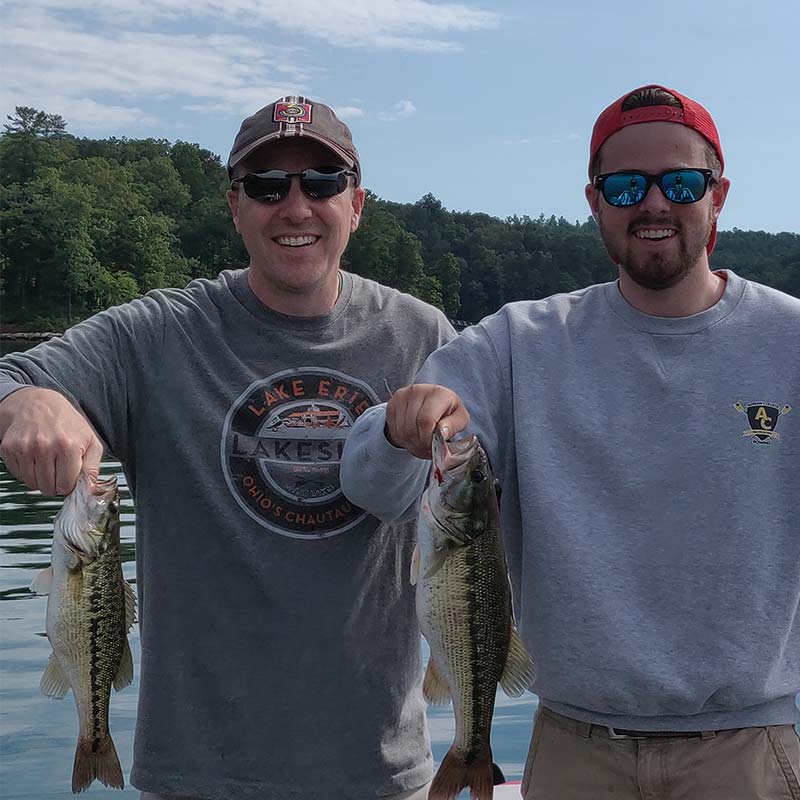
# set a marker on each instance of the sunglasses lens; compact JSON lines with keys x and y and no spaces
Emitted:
{"x":320,"y":185}
{"x":624,"y":188}
{"x":683,"y":186}
{"x":267,"y":187}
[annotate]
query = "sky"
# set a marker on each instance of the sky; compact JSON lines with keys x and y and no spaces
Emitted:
{"x":489,"y":106}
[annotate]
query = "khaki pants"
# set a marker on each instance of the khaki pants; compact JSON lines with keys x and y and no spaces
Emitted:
{"x":414,"y":794}
{"x":570,"y":760}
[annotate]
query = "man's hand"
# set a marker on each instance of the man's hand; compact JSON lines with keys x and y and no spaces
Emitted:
{"x":413,"y":412}
{"x":46,"y":443}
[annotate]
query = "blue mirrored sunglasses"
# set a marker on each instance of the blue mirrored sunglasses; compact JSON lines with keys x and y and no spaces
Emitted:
{"x":274,"y":185}
{"x":627,"y":188}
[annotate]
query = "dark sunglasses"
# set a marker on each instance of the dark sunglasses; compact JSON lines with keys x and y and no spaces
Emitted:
{"x":629,"y":188}
{"x":274,"y":185}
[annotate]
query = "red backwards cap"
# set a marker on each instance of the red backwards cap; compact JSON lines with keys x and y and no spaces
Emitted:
{"x":691,"y":114}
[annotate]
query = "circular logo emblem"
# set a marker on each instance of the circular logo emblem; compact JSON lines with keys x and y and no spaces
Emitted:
{"x":281,"y":446}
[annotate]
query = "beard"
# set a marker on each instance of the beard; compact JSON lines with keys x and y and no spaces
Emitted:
{"x":659,"y":271}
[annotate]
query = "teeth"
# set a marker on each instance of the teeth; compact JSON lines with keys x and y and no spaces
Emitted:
{"x":664,"y":233}
{"x":296,"y":241}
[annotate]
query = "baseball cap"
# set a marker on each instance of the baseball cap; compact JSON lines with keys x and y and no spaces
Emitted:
{"x":294,"y":115}
{"x":691,"y":114}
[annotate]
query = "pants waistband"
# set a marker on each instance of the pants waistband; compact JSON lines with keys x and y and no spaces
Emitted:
{"x":587,"y":729}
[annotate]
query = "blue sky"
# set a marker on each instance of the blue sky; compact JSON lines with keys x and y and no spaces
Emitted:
{"x":489,"y":106}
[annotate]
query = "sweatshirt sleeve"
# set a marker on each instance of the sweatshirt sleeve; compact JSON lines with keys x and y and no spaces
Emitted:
{"x":96,"y":365}
{"x":386,"y":481}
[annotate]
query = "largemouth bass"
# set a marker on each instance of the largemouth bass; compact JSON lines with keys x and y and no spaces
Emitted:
{"x":463,"y":600}
{"x":90,"y":608}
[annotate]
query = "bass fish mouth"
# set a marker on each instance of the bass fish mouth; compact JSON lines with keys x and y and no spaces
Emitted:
{"x":447,"y":457}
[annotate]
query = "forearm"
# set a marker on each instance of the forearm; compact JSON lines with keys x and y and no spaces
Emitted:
{"x":378,"y":477}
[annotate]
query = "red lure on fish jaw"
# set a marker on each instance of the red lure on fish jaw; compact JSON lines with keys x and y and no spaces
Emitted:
{"x":437,"y":473}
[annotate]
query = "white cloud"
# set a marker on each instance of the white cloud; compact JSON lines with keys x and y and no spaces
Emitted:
{"x":403,"y":108}
{"x":99,"y":62}
{"x":349,"y":112}
{"x":396,"y":24}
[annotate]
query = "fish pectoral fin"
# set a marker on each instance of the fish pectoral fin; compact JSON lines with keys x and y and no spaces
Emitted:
{"x":518,"y":674}
{"x":415,"y":565}
{"x":54,"y":682}
{"x":124,"y":674}
{"x":434,"y":688}
{"x":130,"y":606}
{"x":436,"y":562}
{"x":43,"y":581}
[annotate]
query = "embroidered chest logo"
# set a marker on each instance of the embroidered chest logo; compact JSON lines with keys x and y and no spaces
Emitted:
{"x":763,"y":417}
{"x":282,"y":442}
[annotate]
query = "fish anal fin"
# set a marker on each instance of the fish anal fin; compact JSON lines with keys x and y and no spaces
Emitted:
{"x":455,"y":773}
{"x":519,"y":673}
{"x":415,"y":565}
{"x":43,"y":581}
{"x":434,"y":686}
{"x":54,"y":682}
{"x":96,"y":760}
{"x":124,"y":674}
{"x":130,"y":605}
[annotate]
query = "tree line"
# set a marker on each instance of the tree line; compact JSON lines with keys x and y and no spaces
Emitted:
{"x":88,"y":223}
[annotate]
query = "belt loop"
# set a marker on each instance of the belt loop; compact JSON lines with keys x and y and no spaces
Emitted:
{"x":584,"y":729}
{"x":705,"y":735}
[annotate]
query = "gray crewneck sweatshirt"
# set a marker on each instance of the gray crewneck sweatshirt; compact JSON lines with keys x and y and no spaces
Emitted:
{"x":651,"y":486}
{"x":281,"y":655}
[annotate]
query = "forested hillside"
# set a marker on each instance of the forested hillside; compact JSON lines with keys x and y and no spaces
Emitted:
{"x":89,"y":223}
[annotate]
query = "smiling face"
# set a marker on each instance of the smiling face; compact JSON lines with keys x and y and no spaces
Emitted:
{"x":656,"y":243}
{"x":295,"y":245}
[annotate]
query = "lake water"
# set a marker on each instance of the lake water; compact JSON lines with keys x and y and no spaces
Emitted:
{"x":38,"y":735}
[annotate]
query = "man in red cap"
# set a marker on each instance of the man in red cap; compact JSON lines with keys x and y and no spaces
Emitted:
{"x":281,"y":654}
{"x":643,"y":436}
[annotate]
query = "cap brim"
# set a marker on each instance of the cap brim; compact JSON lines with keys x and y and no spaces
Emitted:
{"x":253,"y":146}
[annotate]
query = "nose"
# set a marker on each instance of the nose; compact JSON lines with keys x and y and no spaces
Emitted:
{"x":295,"y":207}
{"x":654,"y":201}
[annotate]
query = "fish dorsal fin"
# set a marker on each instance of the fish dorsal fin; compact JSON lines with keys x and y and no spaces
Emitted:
{"x":415,"y":565}
{"x":518,"y":673}
{"x":130,"y":605}
{"x":43,"y":581}
{"x":124,"y":674}
{"x":434,"y":688}
{"x":54,"y":682}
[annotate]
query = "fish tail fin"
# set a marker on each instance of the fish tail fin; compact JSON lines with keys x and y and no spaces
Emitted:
{"x":96,"y":759}
{"x":455,"y":773}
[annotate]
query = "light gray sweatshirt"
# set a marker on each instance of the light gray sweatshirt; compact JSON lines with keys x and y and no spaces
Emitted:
{"x":651,"y":487}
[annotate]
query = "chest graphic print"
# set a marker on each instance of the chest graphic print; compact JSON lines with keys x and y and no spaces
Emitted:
{"x":281,"y":447}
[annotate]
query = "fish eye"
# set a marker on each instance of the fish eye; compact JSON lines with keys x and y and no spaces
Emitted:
{"x":478,"y":476}
{"x":112,"y":507}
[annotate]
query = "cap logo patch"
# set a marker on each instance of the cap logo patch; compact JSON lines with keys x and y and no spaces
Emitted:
{"x":292,"y":112}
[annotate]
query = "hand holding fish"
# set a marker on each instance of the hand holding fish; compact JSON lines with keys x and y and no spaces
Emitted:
{"x":46,"y":443}
{"x":412,"y":414}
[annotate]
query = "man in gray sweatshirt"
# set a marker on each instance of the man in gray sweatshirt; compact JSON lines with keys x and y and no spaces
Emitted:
{"x":646,"y":436}
{"x":281,"y":657}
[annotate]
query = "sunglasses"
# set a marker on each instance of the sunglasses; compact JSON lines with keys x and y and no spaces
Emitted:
{"x":628,"y":188}
{"x":274,"y":185}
